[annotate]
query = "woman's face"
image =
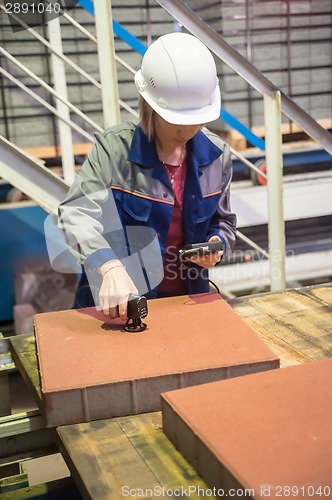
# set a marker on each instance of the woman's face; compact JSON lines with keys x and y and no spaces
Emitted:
{"x":177,"y":135}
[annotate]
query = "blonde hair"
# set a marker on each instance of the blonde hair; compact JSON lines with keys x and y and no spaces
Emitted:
{"x":146,"y":116}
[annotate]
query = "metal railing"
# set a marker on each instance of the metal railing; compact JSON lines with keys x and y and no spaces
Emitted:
{"x":31,"y":176}
{"x":63,"y":106}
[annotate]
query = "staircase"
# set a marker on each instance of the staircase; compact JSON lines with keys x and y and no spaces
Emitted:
{"x":29,"y":175}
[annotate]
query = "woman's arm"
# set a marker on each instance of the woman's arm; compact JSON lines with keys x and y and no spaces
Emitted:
{"x":87,"y":217}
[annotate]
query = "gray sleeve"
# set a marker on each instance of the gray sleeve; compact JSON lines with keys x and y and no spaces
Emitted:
{"x":81,"y":214}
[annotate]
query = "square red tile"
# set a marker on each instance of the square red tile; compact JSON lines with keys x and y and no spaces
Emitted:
{"x":92,"y":369}
{"x":268,"y":433}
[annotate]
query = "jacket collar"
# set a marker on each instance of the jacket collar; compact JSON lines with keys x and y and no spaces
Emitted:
{"x":200,"y":150}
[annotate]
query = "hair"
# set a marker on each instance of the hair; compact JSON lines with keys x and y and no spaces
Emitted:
{"x":146,"y":116}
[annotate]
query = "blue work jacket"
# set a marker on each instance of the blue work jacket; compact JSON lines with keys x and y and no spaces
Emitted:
{"x":123,"y":185}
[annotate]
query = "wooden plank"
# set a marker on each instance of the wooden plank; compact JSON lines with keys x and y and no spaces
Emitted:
{"x":52,"y":152}
{"x":23,"y":348}
{"x":109,"y":458}
{"x":284,"y":335}
{"x":268,"y":330}
{"x":102,"y":460}
{"x":321,"y":293}
{"x":279,"y":304}
{"x":296,"y":324}
{"x":167,"y":464}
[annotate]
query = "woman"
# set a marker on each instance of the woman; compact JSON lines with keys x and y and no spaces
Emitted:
{"x":151,"y":188}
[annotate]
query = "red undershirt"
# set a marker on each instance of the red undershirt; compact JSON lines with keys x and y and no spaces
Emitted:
{"x":172,"y":284}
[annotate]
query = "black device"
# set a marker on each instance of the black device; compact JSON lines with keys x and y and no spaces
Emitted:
{"x":200,"y":249}
{"x":137,"y":309}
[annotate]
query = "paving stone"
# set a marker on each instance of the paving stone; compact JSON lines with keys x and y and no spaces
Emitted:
{"x":92,"y":369}
{"x":267,"y":433}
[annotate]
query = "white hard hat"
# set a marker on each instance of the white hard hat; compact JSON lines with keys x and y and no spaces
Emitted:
{"x":178,"y":79}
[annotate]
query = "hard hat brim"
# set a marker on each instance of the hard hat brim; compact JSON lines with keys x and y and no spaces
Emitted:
{"x":184,"y":116}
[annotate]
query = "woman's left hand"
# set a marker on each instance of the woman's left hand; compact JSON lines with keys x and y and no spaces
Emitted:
{"x":210,"y":259}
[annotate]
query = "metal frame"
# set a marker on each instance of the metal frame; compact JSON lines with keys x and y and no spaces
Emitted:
{"x":107,"y":68}
{"x":69,"y":61}
{"x":31,"y":177}
{"x":46,"y":104}
{"x":274,"y":163}
{"x":23,"y":436}
{"x":49,"y":89}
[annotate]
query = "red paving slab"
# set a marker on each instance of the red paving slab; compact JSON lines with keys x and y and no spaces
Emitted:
{"x":268,"y":432}
{"x":92,"y":369}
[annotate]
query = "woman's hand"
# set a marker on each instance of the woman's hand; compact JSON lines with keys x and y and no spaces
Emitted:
{"x":210,"y":259}
{"x":114,"y":290}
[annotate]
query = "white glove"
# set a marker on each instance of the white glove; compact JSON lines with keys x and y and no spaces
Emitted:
{"x":115,"y":288}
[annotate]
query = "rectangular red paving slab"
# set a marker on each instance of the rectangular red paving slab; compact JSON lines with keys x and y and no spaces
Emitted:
{"x":263,"y":432}
{"x":91,"y":369}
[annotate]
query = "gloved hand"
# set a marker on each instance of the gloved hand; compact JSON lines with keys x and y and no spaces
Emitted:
{"x":208,"y":260}
{"x":115,"y":288}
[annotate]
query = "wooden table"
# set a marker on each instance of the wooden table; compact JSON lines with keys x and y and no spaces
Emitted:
{"x":107,"y":458}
